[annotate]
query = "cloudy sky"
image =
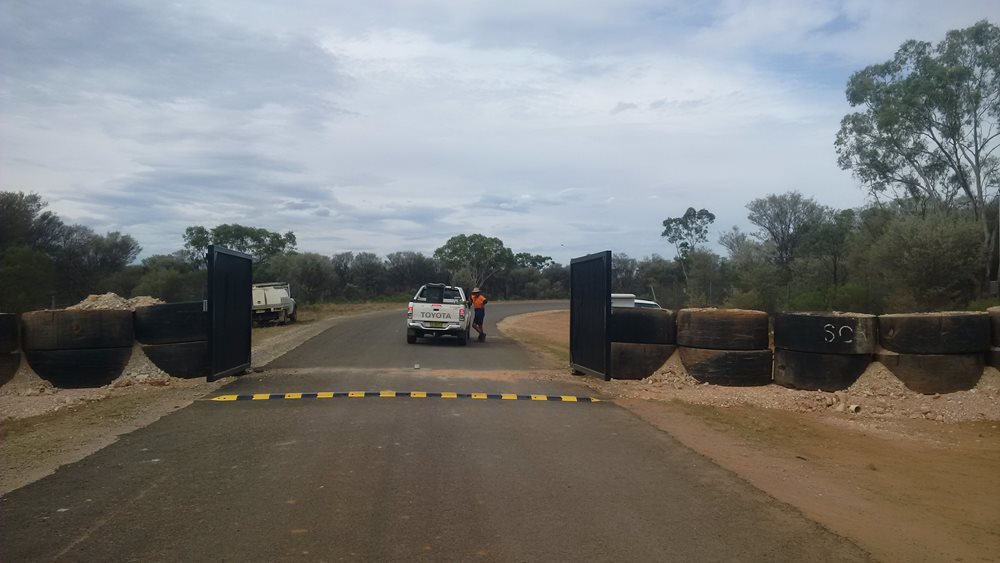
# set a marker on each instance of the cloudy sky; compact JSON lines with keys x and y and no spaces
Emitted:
{"x":562,"y":127}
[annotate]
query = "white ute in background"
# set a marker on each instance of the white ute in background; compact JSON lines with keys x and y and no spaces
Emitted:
{"x":272,"y":302}
{"x":438,"y":309}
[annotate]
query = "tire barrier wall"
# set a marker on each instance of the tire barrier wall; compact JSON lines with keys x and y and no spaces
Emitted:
{"x":993,"y":356}
{"x":642,"y":340}
{"x":936,"y":352}
{"x":822,"y":351}
{"x":174,"y":336}
{"x":77,"y":348}
{"x":10,"y":359}
{"x":725,"y":346}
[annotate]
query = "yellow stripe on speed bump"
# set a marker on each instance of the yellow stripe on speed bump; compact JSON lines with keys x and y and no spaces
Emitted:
{"x":411,"y":394}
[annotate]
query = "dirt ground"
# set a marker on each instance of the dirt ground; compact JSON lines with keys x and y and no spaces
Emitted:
{"x":909,"y":477}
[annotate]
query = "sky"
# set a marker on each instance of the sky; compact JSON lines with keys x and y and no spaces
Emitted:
{"x":562,"y":127}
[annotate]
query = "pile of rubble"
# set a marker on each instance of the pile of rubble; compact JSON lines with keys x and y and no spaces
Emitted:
{"x":115,"y":302}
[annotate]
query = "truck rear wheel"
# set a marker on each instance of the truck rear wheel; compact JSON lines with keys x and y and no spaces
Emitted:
{"x":411,"y":338}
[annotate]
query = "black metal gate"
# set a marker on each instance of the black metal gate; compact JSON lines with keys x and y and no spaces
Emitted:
{"x":230,"y":318}
{"x":590,"y":314}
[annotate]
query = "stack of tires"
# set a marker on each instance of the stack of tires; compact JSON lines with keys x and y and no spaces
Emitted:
{"x":10,"y":358}
{"x":641,"y":341}
{"x":725,"y":346}
{"x":935,"y":352}
{"x":993,"y":357}
{"x":174,"y":336}
{"x":77,"y":348}
{"x":822,"y":351}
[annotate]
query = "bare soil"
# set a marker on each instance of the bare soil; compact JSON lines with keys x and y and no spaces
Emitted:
{"x":909,"y":477}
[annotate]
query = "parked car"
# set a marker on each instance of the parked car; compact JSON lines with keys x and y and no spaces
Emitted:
{"x":272,"y":302}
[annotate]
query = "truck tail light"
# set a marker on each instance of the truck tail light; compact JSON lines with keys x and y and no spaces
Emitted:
{"x":409,"y":312}
{"x":461,"y":314}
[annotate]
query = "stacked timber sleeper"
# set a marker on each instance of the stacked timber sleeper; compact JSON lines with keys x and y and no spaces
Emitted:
{"x":822,"y":351}
{"x":77,"y":348}
{"x":641,"y":341}
{"x":174,"y":336}
{"x":725,"y":346}
{"x":10,"y":358}
{"x":935,"y":352}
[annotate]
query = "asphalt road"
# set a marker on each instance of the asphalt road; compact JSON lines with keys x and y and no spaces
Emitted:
{"x":378,"y":479}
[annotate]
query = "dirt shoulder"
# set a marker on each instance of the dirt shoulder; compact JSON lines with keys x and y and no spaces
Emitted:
{"x":909,"y":477}
{"x":42,"y":427}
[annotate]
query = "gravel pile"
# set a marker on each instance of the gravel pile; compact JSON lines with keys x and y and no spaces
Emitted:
{"x":876,"y":395}
{"x":115,"y":302}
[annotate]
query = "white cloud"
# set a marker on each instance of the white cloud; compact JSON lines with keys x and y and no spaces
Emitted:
{"x":562,"y":128}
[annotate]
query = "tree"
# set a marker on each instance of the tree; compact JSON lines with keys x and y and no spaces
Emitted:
{"x":686,"y":232}
{"x":784,"y":220}
{"x":24,"y":221}
{"x":930,"y":127}
{"x":623,"y":272}
{"x":474,"y":259}
{"x":261,"y":244}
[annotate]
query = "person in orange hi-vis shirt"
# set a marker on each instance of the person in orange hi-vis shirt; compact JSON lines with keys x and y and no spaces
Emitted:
{"x":479,"y":302}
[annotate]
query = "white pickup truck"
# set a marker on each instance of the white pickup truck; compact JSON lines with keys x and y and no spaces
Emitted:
{"x":438,"y":309}
{"x":272,"y":302}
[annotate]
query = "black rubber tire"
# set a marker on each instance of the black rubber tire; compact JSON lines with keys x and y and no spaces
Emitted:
{"x":76,"y":329}
{"x":180,"y":359}
{"x":961,"y":332}
{"x":723,"y":329}
{"x":638,"y":361}
{"x":91,"y":367}
{"x":171,"y":323}
{"x":727,"y":367}
{"x":935,"y":373}
{"x":818,"y":372}
{"x":9,"y":363}
{"x":411,"y":338}
{"x":826,"y":333}
{"x":994,"y":313}
{"x":463,"y":338}
{"x":993,"y":357}
{"x":8,"y":333}
{"x":643,"y":326}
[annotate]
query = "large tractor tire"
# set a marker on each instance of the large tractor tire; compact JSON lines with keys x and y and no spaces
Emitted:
{"x":8,"y":333}
{"x":994,"y":313}
{"x":180,"y":359}
{"x":818,"y":372}
{"x":960,"y":332}
{"x":638,"y":361}
{"x":9,"y":363}
{"x":728,"y":367}
{"x":993,"y":357}
{"x":92,"y":367}
{"x":723,"y":329}
{"x":643,"y":326}
{"x":934,"y":373}
{"x":826,"y":333}
{"x":171,"y":323}
{"x":76,"y":330}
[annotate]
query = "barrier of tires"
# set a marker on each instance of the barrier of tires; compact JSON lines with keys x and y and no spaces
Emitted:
{"x":642,"y":340}
{"x":9,"y":362}
{"x":993,"y":356}
{"x":935,"y":352}
{"x":638,"y":361}
{"x":725,"y":346}
{"x":727,"y":367}
{"x":958,"y":332}
{"x":722,"y":329}
{"x":822,"y":351}
{"x":77,"y":348}
{"x":934,"y":373}
{"x":8,"y":333}
{"x":174,"y":336}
